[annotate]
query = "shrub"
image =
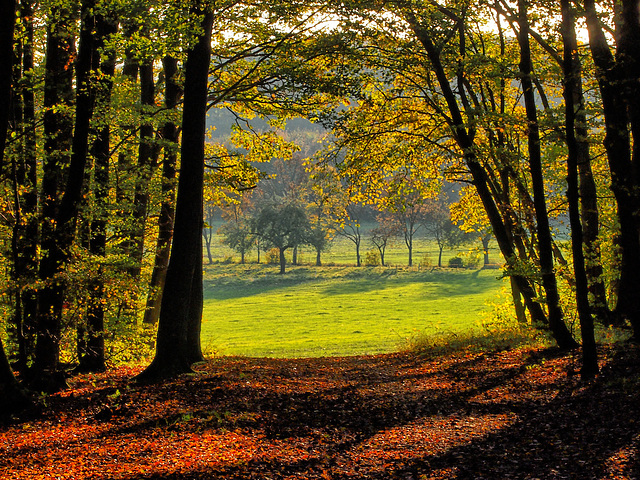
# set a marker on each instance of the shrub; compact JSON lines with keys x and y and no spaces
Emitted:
{"x":426,"y":261}
{"x":371,"y":258}
{"x":455,"y":262}
{"x":273,"y":256}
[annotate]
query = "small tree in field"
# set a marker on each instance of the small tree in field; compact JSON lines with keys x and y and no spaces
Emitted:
{"x":237,"y":235}
{"x":381,"y":236}
{"x":282,"y":227}
{"x":439,"y":225}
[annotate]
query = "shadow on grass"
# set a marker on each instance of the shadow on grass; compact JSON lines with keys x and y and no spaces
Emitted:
{"x":348,"y":281}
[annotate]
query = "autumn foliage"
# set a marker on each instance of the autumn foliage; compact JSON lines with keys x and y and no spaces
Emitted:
{"x":517,"y":414}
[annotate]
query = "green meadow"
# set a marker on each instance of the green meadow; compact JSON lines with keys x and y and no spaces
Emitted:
{"x":339,"y":309}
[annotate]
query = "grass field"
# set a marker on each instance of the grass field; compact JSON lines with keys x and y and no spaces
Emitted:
{"x":251,"y":310}
{"x":338,"y":309}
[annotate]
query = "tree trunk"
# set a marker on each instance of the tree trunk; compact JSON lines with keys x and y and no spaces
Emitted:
{"x":165,"y":222}
{"x":92,"y":355}
{"x":628,"y":56}
{"x":58,"y":135}
{"x":571,"y":85}
{"x":480,"y":178}
{"x":283,"y":261}
{"x":143,"y":171}
{"x":556,"y":317}
{"x":485,"y":248}
{"x":617,"y":145}
{"x":409,"y":242}
{"x":13,"y":397}
{"x":25,"y":165}
{"x":7,"y":25}
{"x":207,"y":235}
{"x":181,"y":310}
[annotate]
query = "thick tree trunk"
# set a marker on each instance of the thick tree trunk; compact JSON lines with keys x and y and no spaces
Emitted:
{"x":545,"y":242}
{"x":571,"y":85}
{"x":617,"y":145}
{"x":7,"y":25}
{"x":165,"y":222}
{"x":57,"y":255}
{"x":13,"y":398}
{"x":628,"y":56}
{"x":58,"y":134}
{"x":181,"y":311}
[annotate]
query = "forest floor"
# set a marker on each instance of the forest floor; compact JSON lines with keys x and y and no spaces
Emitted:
{"x":519,"y":414}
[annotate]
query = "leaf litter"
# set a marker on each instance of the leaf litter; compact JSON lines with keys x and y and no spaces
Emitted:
{"x":518,"y":414}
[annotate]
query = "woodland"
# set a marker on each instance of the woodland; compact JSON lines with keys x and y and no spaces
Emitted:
{"x":512,"y":120}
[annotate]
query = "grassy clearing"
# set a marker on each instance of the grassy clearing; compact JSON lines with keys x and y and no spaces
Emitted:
{"x":332,"y":311}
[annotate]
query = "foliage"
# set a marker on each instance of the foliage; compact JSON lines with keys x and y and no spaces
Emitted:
{"x":238,"y":236}
{"x":371,"y":258}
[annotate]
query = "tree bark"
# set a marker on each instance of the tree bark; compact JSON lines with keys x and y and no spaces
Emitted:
{"x":617,"y":146}
{"x":13,"y":397}
{"x":283,"y":260}
{"x":181,"y":311}
{"x":628,"y":57}
{"x":571,"y":86}
{"x":92,"y":355}
{"x":144,"y":170}
{"x":165,"y":222}
{"x":545,"y":242}
{"x":7,"y":25}
{"x":58,"y":135}
{"x":25,"y":165}
{"x":480,"y":180}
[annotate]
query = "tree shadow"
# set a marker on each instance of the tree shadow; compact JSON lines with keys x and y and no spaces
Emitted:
{"x":332,"y":409}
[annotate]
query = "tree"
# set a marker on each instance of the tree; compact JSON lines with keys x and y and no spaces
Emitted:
{"x":170,"y":135}
{"x":7,"y":25}
{"x":446,"y":87}
{"x":238,"y":236}
{"x":405,"y":199}
{"x":24,"y":173}
{"x":571,"y":94}
{"x":438,"y":224}
{"x":282,"y":227}
{"x":617,"y":143}
{"x":350,"y":218}
{"x":178,"y":339}
{"x":388,"y":228}
{"x":13,"y":396}
{"x":91,"y":347}
{"x":58,"y":243}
